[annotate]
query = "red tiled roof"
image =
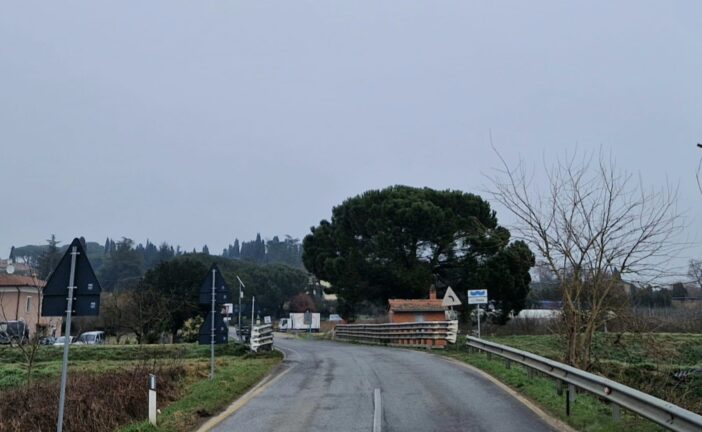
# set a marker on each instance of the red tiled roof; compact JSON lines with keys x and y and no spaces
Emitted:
{"x":416,"y":305}
{"x":7,"y":280}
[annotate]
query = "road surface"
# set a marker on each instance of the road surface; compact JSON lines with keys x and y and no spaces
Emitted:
{"x":330,"y":387}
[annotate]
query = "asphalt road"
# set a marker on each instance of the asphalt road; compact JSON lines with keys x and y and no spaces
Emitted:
{"x":330,"y":388}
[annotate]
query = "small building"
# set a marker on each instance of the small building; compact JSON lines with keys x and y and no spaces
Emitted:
{"x":20,"y":300}
{"x":417,"y":310}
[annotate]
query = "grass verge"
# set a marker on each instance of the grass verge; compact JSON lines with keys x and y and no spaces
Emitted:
{"x":204,"y":397}
{"x":588,"y":413}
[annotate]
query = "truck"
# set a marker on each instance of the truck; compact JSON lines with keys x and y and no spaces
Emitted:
{"x":297,"y":322}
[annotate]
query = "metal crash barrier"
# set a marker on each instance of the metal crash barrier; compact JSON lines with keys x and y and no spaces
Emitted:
{"x":261,"y":337}
{"x":657,"y":410}
{"x":429,"y":334}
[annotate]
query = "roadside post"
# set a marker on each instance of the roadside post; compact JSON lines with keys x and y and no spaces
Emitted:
{"x":214,"y":292}
{"x":241,"y":296}
{"x":72,"y":290}
{"x":308,"y":320}
{"x":152,"y":399}
{"x":253,"y":308}
{"x":478,"y":297}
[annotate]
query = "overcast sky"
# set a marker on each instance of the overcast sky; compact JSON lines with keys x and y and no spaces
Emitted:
{"x":197,"y":122}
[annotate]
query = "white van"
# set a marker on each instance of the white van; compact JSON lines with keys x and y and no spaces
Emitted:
{"x":91,"y":338}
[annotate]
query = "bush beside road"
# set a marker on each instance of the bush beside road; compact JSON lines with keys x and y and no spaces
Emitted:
{"x":98,"y":376}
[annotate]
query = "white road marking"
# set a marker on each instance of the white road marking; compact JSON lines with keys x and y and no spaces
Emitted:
{"x":378,"y":412}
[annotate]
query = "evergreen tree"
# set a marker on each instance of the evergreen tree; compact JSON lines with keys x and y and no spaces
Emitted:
{"x":235,"y":250}
{"x":205,"y":250}
{"x":50,"y":258}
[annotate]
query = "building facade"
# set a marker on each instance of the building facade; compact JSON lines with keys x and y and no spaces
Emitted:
{"x":20,"y":300}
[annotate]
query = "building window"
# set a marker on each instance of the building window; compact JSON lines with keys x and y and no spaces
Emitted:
{"x":418,"y":317}
{"x":29,"y":304}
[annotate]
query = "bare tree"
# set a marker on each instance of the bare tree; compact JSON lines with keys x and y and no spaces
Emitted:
{"x":592,"y":226}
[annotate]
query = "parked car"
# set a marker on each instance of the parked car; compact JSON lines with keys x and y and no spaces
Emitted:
{"x":91,"y":338}
{"x":61,"y":340}
{"x":13,"y":331}
{"x":48,"y":340}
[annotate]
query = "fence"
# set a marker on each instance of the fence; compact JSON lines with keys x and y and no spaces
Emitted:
{"x":659,"y":411}
{"x":430,"y":334}
{"x":261,"y":337}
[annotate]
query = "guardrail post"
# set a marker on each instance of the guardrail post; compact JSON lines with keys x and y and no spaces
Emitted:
{"x":508,"y":363}
{"x":489,"y":355}
{"x":568,"y":401}
{"x":616,"y":412}
{"x":530,"y":372}
{"x":571,"y":392}
{"x":559,"y":387}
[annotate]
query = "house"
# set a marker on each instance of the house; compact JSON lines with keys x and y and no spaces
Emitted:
{"x":20,"y":300}
{"x":417,"y":310}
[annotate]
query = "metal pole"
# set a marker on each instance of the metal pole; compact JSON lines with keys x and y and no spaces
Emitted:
{"x":212,"y":332}
{"x":241,"y":285}
{"x":67,"y":339}
{"x":479,"y":321}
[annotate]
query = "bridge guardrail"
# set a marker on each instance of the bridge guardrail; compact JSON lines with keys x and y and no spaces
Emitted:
{"x":657,"y":410}
{"x":433,"y":334}
{"x":261,"y":337}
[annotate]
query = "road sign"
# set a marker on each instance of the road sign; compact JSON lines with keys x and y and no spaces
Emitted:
{"x":477,"y":296}
{"x":86,"y":288}
{"x":450,"y":298}
{"x":221,"y":332}
{"x":222,"y":294}
{"x":267,"y":319}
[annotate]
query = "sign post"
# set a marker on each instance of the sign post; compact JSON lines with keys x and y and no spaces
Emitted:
{"x":67,"y":338}
{"x":212,"y":330}
{"x":72,"y":290}
{"x":213,"y":292}
{"x":478,"y":297}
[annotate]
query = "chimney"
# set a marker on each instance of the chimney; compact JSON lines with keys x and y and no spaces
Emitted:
{"x":432,"y":292}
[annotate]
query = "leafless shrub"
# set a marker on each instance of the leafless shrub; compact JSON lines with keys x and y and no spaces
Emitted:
{"x":94,"y":402}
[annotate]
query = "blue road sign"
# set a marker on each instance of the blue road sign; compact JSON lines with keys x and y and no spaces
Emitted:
{"x":477,"y":296}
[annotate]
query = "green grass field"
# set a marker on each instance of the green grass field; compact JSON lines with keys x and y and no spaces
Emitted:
{"x":13,"y":368}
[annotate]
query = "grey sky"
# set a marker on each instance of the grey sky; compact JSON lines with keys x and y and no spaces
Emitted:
{"x":195,"y":122}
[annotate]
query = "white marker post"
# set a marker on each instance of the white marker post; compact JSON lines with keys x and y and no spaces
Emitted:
{"x":212,"y":332}
{"x":67,"y":338}
{"x":152,"y":399}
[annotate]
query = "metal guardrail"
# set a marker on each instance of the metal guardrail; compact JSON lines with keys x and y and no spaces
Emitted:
{"x":426,"y":334}
{"x":261,"y":337}
{"x":657,"y":410}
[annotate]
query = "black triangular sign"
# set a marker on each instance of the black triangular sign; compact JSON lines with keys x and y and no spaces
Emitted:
{"x":221,"y":330}
{"x":86,"y":295}
{"x":222,"y":293}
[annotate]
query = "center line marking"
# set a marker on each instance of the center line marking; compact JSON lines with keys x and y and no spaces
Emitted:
{"x":378,"y":412}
